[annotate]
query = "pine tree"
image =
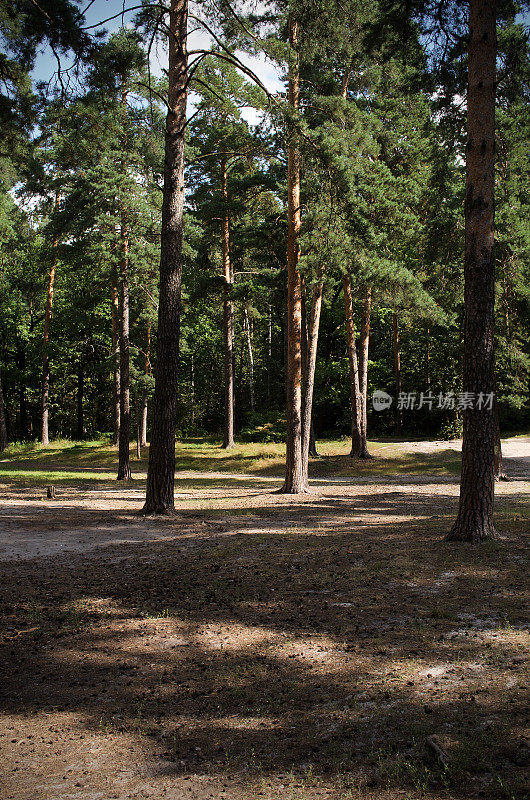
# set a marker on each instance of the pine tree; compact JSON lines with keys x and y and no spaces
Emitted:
{"x":474,"y":521}
{"x":161,"y":470}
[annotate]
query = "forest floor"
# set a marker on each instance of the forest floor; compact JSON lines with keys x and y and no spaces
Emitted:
{"x":259,"y":645}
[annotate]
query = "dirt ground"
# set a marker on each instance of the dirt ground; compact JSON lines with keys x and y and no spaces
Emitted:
{"x":264,"y":646}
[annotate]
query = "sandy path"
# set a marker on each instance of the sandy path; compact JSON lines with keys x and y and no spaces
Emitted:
{"x":83,"y":520}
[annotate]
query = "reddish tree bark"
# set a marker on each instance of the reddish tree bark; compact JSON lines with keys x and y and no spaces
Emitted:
{"x":147,"y":367}
{"x":115,"y":314}
{"x":474,"y":521}
{"x":45,"y":385}
{"x":312,"y":344}
{"x":355,"y":390}
{"x":397,"y":366}
{"x":161,"y":470}
{"x":3,"y":428}
{"x":295,"y":479}
{"x":364,"y":344}
{"x":228,"y":317}
{"x":124,"y":466}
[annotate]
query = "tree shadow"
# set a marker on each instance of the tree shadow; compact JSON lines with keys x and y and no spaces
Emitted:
{"x":330,"y":652}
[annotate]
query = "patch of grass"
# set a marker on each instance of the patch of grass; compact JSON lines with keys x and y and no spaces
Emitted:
{"x":63,"y":461}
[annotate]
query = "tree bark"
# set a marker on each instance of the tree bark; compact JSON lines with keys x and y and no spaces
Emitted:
{"x":474,"y":520}
{"x":250,"y":360}
{"x":3,"y":428}
{"x":295,"y":480}
{"x":147,"y":367}
{"x":309,"y":382}
{"x":269,"y":352}
{"x":363,"y":368}
{"x":161,"y":470}
{"x":45,"y":385}
{"x":355,"y":389}
{"x":124,"y":466}
{"x":23,"y":422}
{"x":114,"y":297}
{"x":138,"y":426}
{"x":397,"y":366}
{"x":228,"y":317}
{"x":80,"y":398}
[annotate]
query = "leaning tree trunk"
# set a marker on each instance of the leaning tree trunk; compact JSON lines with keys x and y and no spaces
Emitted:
{"x":313,"y":453}
{"x":312,"y":344}
{"x":45,"y":386}
{"x":397,"y":367}
{"x":147,"y":367}
{"x":124,"y":466}
{"x":3,"y":428}
{"x":363,"y":368}
{"x":161,"y":470}
{"x":295,"y":480}
{"x":355,"y":389}
{"x":228,"y":317}
{"x":474,"y":521}
{"x":115,"y":354}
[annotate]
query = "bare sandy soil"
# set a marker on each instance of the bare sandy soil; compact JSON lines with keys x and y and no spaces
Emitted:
{"x":264,"y":646}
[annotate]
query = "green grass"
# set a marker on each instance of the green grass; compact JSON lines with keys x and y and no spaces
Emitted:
{"x":64,"y":461}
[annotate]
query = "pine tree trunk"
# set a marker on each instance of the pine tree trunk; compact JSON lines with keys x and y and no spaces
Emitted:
{"x":499,"y":474}
{"x":309,"y":383}
{"x":192,"y":367}
{"x":114,"y":295}
{"x":355,"y":389}
{"x":147,"y":367}
{"x":161,"y":471}
{"x":3,"y":428}
{"x":295,"y":480}
{"x":45,"y":385}
{"x":397,"y":366}
{"x":363,"y":368}
{"x":474,"y":520}
{"x":313,"y":453}
{"x":138,"y":426}
{"x":124,"y":466}
{"x":269,"y":353}
{"x":250,"y":360}
{"x":23,"y":423}
{"x":228,"y":318}
{"x":80,"y":399}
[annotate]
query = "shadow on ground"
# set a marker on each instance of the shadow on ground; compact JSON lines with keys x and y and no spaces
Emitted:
{"x":307,"y":653}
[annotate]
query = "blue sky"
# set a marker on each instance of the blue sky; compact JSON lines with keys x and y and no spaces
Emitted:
{"x":102,"y":9}
{"x":46,"y":64}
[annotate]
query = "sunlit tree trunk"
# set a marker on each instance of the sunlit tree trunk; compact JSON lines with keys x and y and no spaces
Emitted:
{"x":3,"y":428}
{"x":364,"y":344}
{"x":80,"y":401}
{"x":312,"y":344}
{"x":474,"y":521}
{"x":295,"y":480}
{"x":161,"y":471}
{"x":45,"y":386}
{"x":115,"y":314}
{"x":305,"y":378}
{"x":124,"y":467}
{"x":147,"y":368}
{"x":355,"y":389}
{"x":397,"y":365}
{"x":250,"y":359}
{"x":228,"y":317}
